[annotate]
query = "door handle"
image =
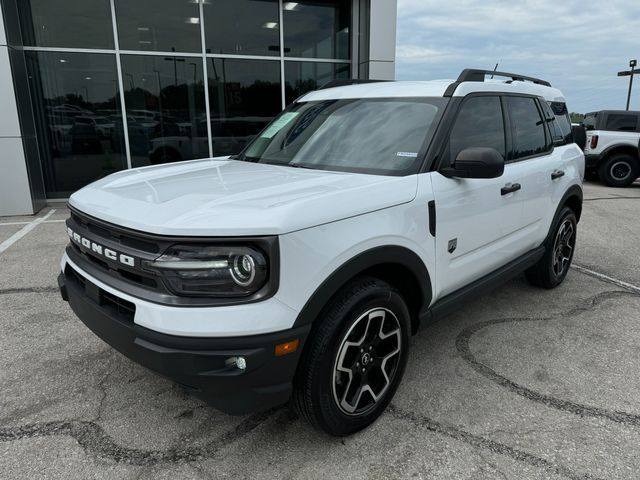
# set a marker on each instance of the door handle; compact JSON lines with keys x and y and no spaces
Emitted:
{"x":557,"y":174}
{"x":510,"y":188}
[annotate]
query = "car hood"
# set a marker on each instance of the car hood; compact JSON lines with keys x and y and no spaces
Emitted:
{"x":226,"y":197}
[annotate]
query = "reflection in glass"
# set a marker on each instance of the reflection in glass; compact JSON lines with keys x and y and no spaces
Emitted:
{"x":160,"y":25}
{"x":303,"y":77}
{"x":242,"y":27}
{"x":66,"y":23}
{"x":317,"y":28}
{"x":244,"y":95}
{"x":164,"y":97}
{"x":77,"y":107}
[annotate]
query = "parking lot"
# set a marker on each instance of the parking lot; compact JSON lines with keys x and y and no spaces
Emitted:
{"x":524,"y":383}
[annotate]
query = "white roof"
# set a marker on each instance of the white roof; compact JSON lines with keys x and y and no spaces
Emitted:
{"x":433,"y":88}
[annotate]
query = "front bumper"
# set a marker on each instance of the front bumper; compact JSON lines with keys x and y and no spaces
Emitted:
{"x":202,"y":365}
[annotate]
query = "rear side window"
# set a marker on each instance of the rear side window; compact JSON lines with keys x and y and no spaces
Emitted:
{"x":621,"y":123}
{"x":479,"y":124}
{"x":563,"y":120}
{"x":527,"y":127}
{"x":590,"y":120}
{"x":557,"y":118}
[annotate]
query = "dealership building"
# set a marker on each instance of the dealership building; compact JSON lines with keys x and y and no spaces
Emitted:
{"x":90,"y":87}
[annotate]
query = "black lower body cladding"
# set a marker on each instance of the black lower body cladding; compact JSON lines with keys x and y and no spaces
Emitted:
{"x":201,"y":365}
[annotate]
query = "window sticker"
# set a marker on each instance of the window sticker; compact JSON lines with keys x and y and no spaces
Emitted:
{"x":279,"y":124}
{"x":407,"y":154}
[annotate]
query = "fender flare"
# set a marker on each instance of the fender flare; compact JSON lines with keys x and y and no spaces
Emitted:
{"x":377,"y":256}
{"x":624,"y":148}
{"x":575,"y":191}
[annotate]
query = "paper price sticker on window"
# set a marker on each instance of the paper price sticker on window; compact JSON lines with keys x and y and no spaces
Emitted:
{"x":279,"y":124}
{"x":407,"y":154}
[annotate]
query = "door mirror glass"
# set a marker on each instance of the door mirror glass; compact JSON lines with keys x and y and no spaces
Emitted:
{"x":476,"y":162}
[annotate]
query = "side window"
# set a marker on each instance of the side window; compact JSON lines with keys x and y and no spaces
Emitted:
{"x":563,"y":120}
{"x":479,"y":124}
{"x":552,"y":121}
{"x":527,"y":127}
{"x":621,"y":123}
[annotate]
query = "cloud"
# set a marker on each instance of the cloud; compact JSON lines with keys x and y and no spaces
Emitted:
{"x":576,"y":45}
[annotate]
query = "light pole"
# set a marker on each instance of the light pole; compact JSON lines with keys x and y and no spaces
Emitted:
{"x":629,"y":73}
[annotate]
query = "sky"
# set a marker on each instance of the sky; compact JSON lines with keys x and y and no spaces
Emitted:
{"x":577,"y":45}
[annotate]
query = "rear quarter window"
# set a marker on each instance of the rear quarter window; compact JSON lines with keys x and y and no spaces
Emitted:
{"x":622,"y":123}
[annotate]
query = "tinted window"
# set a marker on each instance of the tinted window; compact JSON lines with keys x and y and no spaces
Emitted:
{"x":317,"y":28}
{"x":590,"y":120}
{"x":166,"y":96}
{"x":527,"y":127}
{"x":302,"y":77}
{"x":378,"y":136}
{"x":621,"y":123}
{"x":242,"y":27}
{"x":479,"y":124}
{"x":77,"y":144}
{"x":562,"y":122}
{"x":66,"y":23}
{"x":244,"y":95}
{"x":162,"y":25}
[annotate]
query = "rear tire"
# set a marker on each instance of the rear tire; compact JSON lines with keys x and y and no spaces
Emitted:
{"x":619,"y":170}
{"x":552,"y":268}
{"x":354,"y":358}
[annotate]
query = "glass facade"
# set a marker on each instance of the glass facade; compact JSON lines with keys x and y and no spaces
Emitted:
{"x":195,"y":78}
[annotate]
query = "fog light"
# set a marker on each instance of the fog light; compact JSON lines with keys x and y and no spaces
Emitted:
{"x":241,"y":363}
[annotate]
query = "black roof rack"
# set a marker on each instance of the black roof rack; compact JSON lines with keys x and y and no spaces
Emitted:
{"x":342,"y":82}
{"x":476,"y":75}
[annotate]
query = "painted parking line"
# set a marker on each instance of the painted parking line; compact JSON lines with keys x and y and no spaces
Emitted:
{"x":23,"y":231}
{"x":607,"y":278}
{"x":2,"y":224}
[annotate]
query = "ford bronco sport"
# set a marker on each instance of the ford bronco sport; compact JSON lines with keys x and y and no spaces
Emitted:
{"x":300,"y":268}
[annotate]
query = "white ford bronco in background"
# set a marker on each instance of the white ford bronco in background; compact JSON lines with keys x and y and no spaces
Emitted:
{"x":611,"y":150}
{"x":300,"y":268}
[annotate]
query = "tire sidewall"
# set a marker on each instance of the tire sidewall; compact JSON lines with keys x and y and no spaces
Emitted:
{"x":565,"y":213}
{"x":609,"y":179}
{"x":381,"y":297}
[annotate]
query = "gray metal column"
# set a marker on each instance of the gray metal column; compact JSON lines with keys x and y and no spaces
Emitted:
{"x":377,"y":53}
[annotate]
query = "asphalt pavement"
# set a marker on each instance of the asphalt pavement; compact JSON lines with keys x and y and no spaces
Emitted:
{"x":522,"y":383}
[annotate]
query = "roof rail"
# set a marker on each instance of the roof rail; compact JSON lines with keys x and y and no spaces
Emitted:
{"x":476,"y":75}
{"x":342,"y":82}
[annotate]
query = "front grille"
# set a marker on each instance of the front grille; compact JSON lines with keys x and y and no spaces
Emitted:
{"x":125,"y":239}
{"x":115,"y":305}
{"x":122,"y":241}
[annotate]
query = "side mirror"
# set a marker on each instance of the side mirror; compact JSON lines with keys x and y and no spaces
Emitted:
{"x":477,"y":162}
{"x":579,"y":135}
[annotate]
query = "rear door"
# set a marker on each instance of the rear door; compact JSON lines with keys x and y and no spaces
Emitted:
{"x":477,"y":219}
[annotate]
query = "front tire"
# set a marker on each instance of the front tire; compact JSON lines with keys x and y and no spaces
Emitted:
{"x":354,"y":358}
{"x":553,"y":267}
{"x":619,"y":170}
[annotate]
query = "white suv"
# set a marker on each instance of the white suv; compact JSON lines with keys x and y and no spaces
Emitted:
{"x":301,"y":267}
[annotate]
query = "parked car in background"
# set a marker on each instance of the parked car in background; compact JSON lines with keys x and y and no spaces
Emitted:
{"x":611,"y":152}
{"x":228,"y":137}
{"x":102,"y":125}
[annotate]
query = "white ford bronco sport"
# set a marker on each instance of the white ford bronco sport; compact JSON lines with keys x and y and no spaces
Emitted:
{"x":300,"y":268}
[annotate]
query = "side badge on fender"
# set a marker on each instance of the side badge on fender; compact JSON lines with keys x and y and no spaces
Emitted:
{"x":453,"y":244}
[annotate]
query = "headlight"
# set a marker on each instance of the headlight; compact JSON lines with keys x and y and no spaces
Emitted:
{"x":211,"y":271}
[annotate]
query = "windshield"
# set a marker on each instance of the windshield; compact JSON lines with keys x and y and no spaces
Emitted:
{"x":372,"y":135}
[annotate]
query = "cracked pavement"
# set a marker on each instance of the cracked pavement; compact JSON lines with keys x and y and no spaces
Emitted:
{"x":522,"y":383}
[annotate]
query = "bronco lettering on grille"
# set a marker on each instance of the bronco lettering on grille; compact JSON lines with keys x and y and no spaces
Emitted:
{"x":100,"y":249}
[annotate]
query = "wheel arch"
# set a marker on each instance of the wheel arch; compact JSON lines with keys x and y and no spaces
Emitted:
{"x":398,"y":266}
{"x":630,"y":150}
{"x":572,"y":199}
